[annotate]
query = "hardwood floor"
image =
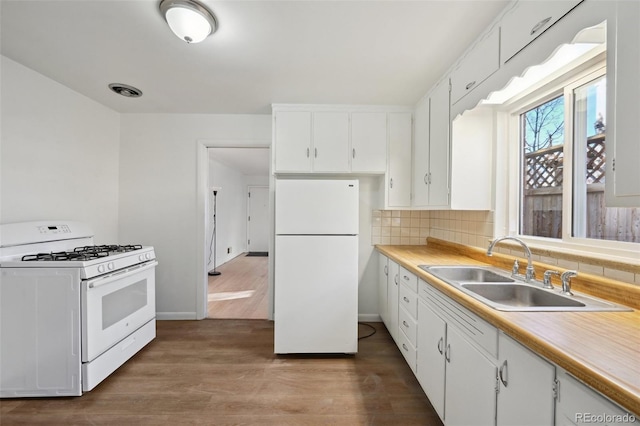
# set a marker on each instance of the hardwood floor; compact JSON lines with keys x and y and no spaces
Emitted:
{"x":224,"y":372}
{"x":241,"y":291}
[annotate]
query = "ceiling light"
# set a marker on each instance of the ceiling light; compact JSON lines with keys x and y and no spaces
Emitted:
{"x":190,"y":20}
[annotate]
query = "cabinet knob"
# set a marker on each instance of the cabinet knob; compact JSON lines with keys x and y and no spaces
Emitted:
{"x":386,"y":270}
{"x":307,"y":152}
{"x":405,"y":299}
{"x":405,"y":324}
{"x":315,"y":154}
{"x":391,"y":183}
{"x":537,"y":27}
{"x":405,"y":347}
{"x":440,"y":342}
{"x":470,"y":85}
{"x":447,"y":354}
{"x":353,"y":153}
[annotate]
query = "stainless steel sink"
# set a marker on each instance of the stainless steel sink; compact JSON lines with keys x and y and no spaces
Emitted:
{"x":497,"y":289}
{"x":469,"y":274}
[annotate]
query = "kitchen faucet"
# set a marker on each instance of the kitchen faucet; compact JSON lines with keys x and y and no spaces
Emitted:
{"x":530,"y":272}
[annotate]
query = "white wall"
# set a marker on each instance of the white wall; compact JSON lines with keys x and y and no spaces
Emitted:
{"x":231,"y":212}
{"x":158,"y":195}
{"x":59,"y":154}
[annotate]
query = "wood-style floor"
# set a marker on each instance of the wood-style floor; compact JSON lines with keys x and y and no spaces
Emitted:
{"x":240,"y":292}
{"x":224,"y":372}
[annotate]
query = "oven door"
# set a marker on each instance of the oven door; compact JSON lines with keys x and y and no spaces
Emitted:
{"x":116,"y":305}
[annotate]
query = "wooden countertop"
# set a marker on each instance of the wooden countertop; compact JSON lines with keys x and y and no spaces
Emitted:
{"x":600,"y":348}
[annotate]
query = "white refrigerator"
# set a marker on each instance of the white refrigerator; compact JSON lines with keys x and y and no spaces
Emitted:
{"x":316,"y":266}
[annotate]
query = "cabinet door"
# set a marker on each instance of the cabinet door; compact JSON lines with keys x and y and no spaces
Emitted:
{"x":421,"y":154}
{"x":330,"y":142}
{"x":439,"y":145}
{"x":526,"y":386}
{"x":527,"y":20}
{"x":578,"y":404}
{"x":383,"y":272}
{"x":623,"y":128}
{"x":399,"y":177}
{"x":369,"y":142}
{"x":430,"y":359}
{"x":392,"y":299}
{"x":476,"y":67}
{"x":470,"y":383}
{"x":292,"y":141}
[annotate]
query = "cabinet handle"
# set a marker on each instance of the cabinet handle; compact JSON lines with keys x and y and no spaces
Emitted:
{"x":503,"y":373}
{"x":386,"y":270}
{"x":391,"y":183}
{"x":405,"y":347}
{"x":440,"y":342}
{"x":395,"y":279}
{"x":315,"y":152}
{"x":405,"y":324}
{"x":537,"y":27}
{"x":425,"y":178}
{"x":353,"y":153}
{"x":405,"y":299}
{"x":470,"y":85}
{"x":406,"y":278}
{"x":307,"y":152}
{"x":447,"y":354}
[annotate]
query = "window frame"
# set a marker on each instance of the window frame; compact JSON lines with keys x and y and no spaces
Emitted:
{"x":508,"y":154}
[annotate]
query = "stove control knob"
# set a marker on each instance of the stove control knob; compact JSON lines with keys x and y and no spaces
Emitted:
{"x":110,"y":265}
{"x":148,"y":255}
{"x":100,"y":268}
{"x":141,"y":258}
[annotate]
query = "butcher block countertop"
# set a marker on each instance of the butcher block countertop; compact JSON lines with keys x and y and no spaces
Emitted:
{"x":600,"y":348}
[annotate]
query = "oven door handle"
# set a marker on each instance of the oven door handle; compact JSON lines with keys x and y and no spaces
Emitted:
{"x":104,"y":280}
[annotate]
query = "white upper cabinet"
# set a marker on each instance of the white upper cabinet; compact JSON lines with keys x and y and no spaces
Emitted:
{"x":330,"y":142}
{"x":482,"y":61}
{"x":472,"y":136}
{"x":399,"y":174}
{"x":292,"y":131}
{"x":330,"y":138}
{"x":421,"y":154}
{"x":623,"y":129}
{"x":369,"y":142}
{"x":527,"y":20}
{"x":439,"y":143}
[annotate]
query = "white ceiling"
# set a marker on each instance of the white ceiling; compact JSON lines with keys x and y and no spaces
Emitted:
{"x":247,"y":161}
{"x":338,"y":52}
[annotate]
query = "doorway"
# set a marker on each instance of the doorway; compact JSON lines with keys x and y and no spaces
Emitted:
{"x":238,"y":237}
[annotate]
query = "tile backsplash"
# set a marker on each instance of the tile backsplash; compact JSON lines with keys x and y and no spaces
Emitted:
{"x":411,"y":227}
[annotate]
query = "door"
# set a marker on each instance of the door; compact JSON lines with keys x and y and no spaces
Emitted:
{"x":258,"y":219}
{"x":399,"y":176}
{"x":330,"y":142}
{"x":439,"y":146}
{"x":369,"y":142}
{"x":393,"y":277}
{"x":383,"y":272}
{"x":292,"y":141}
{"x":431,"y":364}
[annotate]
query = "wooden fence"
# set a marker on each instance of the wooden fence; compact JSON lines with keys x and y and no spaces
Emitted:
{"x":542,"y":202}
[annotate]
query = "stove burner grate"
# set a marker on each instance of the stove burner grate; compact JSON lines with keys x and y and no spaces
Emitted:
{"x":82,"y":253}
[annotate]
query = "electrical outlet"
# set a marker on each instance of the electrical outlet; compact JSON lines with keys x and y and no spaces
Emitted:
{"x":228,"y":250}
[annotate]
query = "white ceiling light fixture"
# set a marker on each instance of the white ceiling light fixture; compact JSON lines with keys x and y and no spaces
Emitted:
{"x":190,"y":20}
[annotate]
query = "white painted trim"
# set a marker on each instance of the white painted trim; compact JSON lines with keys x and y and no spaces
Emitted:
{"x":369,"y":318}
{"x":341,"y":108}
{"x":164,"y":316}
{"x":202,"y":186}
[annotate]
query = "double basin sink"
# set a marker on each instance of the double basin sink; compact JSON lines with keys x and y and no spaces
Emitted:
{"x":500,"y":291}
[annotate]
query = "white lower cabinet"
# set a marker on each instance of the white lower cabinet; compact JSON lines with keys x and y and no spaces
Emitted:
{"x":526,"y":383}
{"x":392,"y":299}
{"x":470,"y":397}
{"x":383,"y":272}
{"x":579,"y":404}
{"x":455,"y":371}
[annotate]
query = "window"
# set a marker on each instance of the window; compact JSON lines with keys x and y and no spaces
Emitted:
{"x":562,"y":144}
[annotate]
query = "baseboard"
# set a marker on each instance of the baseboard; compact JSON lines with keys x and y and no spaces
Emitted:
{"x":175,"y":316}
{"x":369,"y":318}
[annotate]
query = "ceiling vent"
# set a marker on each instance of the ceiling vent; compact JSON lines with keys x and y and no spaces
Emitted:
{"x":125,"y":90}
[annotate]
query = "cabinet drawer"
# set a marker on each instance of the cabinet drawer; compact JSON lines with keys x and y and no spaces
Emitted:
{"x":476,"y":67}
{"x":408,"y":351}
{"x":481,"y":332}
{"x":408,"y":325}
{"x":527,"y":20}
{"x":409,"y":279}
{"x":408,"y":300}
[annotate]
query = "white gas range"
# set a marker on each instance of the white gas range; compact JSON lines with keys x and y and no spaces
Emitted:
{"x":71,"y":312}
